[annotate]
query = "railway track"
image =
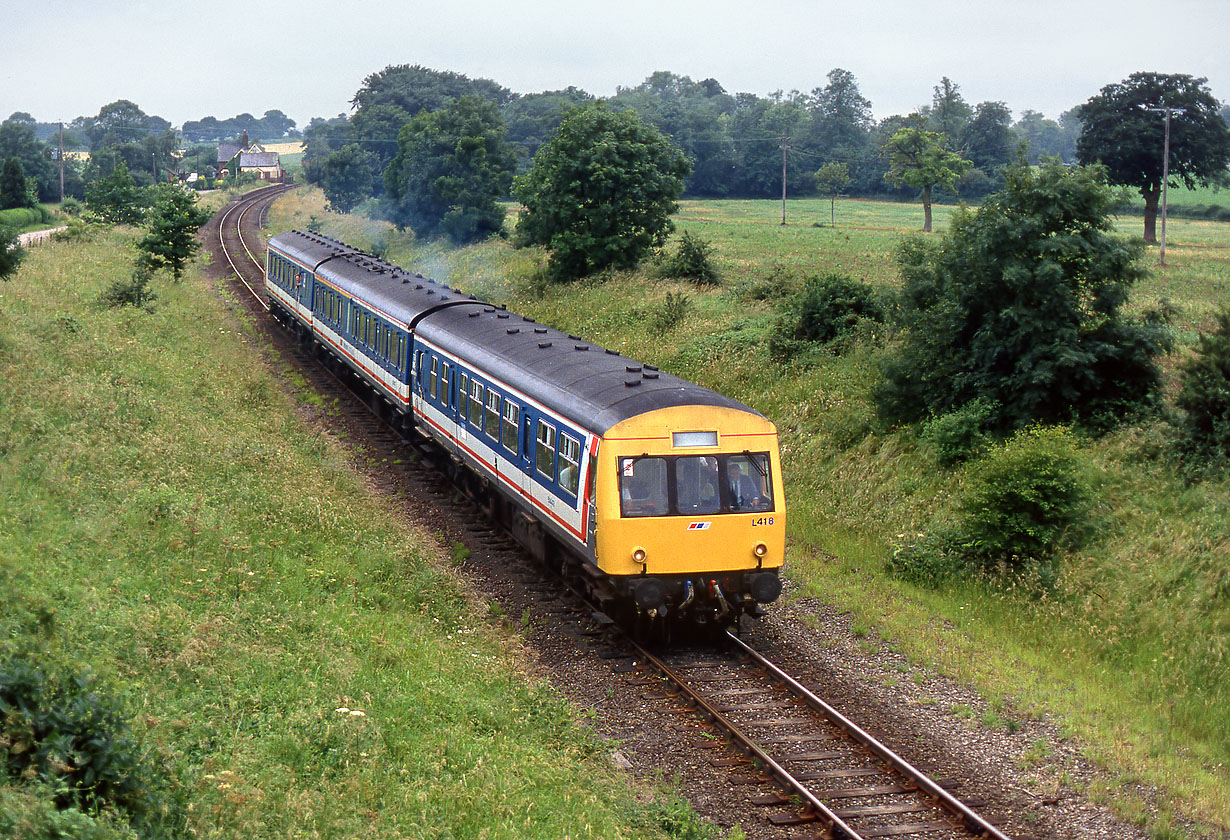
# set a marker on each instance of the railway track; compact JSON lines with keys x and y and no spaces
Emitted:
{"x":803,"y":758}
{"x":805,"y":767}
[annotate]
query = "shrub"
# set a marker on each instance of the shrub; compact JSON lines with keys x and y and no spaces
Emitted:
{"x":960,"y":434}
{"x":1022,"y":303}
{"x":828,"y":308}
{"x":1204,"y":402}
{"x":134,"y":291}
{"x":1025,"y":501}
{"x":692,"y":261}
{"x":672,"y":313}
{"x":59,"y":731}
{"x":71,"y":206}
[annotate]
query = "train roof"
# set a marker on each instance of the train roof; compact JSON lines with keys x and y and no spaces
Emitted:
{"x":402,"y":295}
{"x":593,"y":386}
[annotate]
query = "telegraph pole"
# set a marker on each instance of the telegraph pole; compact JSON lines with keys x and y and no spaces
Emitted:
{"x":785,"y":140}
{"x":61,"y":161}
{"x":1166,"y":170}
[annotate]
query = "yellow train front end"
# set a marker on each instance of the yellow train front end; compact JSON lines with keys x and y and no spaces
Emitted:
{"x":690,"y":519}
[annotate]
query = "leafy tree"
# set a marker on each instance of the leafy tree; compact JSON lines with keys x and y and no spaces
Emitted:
{"x":11,"y":253}
{"x":451,"y":169}
{"x":1120,"y":131}
{"x":988,"y":141}
{"x":348,"y":177}
{"x":1019,"y":304}
{"x":949,"y":113}
{"x":170,"y":239}
{"x":842,"y":116}
{"x":533,"y":118}
{"x":17,"y":140}
{"x":14,"y":191}
{"x":116,"y":198}
{"x":831,"y":179}
{"x":919,"y":159}
{"x":692,"y":114}
{"x":601,"y":192}
{"x":1048,"y":138}
{"x":417,"y":88}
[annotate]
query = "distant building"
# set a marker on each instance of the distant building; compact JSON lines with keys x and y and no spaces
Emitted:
{"x":267,"y":165}
{"x":252,"y":157}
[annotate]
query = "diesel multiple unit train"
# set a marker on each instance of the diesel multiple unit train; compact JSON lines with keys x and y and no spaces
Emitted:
{"x":665,"y":496}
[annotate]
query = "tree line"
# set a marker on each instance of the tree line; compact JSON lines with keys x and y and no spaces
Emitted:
{"x":735,"y":142}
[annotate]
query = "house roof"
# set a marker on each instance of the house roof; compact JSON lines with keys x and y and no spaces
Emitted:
{"x":258,"y":159}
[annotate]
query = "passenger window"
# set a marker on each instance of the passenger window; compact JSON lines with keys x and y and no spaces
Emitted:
{"x":642,"y":487}
{"x":569,"y":464}
{"x":445,"y":393}
{"x":492,"y":416}
{"x":463,"y":395}
{"x":544,"y":452}
{"x":748,"y":484}
{"x":512,"y":422}
{"x":401,"y":352}
{"x":696,"y":484}
{"x":434,"y":378}
{"x":476,"y":403}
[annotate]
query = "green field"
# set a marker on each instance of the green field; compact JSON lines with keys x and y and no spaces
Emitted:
{"x":1129,"y":652}
{"x":293,"y":656}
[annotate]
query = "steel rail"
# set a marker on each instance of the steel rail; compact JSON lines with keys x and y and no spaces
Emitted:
{"x":973,"y":822}
{"x":752,"y":749}
{"x":245,"y":204}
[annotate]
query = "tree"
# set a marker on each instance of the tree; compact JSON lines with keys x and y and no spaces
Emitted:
{"x":918,"y":159}
{"x":348,"y":177}
{"x":950,"y":113}
{"x":170,"y":239}
{"x":11,"y":252}
{"x":601,"y":192}
{"x":1019,"y":305}
{"x":17,"y":140}
{"x":988,"y":139}
{"x":831,"y":179}
{"x":451,"y":169}
{"x":842,"y":115}
{"x":1120,"y":131}
{"x":14,"y":191}
{"x":116,"y":198}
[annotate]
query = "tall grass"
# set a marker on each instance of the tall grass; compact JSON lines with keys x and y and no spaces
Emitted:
{"x":282,"y":638}
{"x":1129,"y":650}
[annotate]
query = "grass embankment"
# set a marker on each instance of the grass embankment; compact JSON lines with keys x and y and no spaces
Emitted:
{"x":1129,"y":653}
{"x":292,"y":651}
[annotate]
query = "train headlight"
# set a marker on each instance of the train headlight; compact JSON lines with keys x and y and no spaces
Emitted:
{"x":760,"y":549}
{"x":638,"y":555}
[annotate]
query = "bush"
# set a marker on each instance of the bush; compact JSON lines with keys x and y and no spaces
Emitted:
{"x":19,"y":217}
{"x":671,"y":315}
{"x":829,"y":308}
{"x":1022,"y":303}
{"x":60,"y":732}
{"x":1025,"y":502}
{"x":692,"y":261}
{"x":961,"y":434}
{"x":1026,"y":499}
{"x":1204,"y":402}
{"x":134,"y":291}
{"x":71,"y":207}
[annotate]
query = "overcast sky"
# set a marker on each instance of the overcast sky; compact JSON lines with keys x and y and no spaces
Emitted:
{"x":186,"y":59}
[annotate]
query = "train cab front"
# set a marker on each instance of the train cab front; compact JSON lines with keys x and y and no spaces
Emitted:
{"x":690,"y":514}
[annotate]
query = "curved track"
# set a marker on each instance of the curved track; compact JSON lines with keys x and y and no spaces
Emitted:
{"x":239,"y":255}
{"x":796,"y":753}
